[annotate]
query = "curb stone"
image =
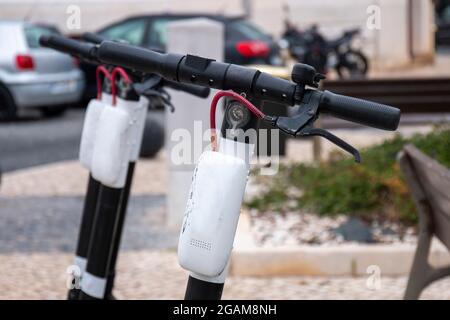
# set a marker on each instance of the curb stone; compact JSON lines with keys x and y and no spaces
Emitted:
{"x":337,"y":260}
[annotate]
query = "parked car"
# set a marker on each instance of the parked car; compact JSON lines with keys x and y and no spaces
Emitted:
{"x":32,"y":76}
{"x":244,"y":42}
{"x":443,"y":26}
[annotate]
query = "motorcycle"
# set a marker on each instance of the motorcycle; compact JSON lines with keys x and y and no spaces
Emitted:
{"x":310,"y":47}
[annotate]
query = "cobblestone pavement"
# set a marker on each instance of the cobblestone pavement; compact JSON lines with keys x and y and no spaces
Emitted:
{"x":39,"y":216}
{"x":41,"y":208}
{"x":146,"y":274}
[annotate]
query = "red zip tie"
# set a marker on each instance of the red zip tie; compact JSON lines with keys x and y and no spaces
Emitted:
{"x":105,"y":72}
{"x":212,"y":115}
{"x":124,"y":75}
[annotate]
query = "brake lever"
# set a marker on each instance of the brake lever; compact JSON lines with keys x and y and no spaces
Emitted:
{"x":152,"y":87}
{"x":302,"y":124}
{"x":309,"y":130}
{"x":148,"y":85}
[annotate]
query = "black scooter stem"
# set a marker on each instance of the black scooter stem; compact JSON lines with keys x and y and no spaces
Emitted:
{"x":118,"y":231}
{"x":87,"y":220}
{"x":202,"y":290}
{"x":101,"y":241}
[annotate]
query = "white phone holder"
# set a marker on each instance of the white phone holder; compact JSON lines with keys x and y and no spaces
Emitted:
{"x":137,"y":111}
{"x":90,"y":125}
{"x":212,"y":213}
{"x":112,"y":148}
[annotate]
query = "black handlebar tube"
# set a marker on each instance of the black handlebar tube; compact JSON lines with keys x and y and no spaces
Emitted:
{"x":218,"y":75}
{"x":88,"y":52}
{"x":199,"y":71}
{"x":195,"y":90}
{"x":82,"y":50}
{"x":208,"y":73}
{"x":93,"y":37}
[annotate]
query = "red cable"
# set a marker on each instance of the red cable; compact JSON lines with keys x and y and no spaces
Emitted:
{"x":101,"y":69}
{"x":212,"y":114}
{"x":124,"y":75}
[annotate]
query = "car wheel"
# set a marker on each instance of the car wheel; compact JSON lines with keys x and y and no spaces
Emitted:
{"x":153,"y":139}
{"x":53,"y":111}
{"x":8,"y":109}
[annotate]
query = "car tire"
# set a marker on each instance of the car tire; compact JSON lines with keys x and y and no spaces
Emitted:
{"x":152,"y":140}
{"x":8,"y":108}
{"x":50,"y":112}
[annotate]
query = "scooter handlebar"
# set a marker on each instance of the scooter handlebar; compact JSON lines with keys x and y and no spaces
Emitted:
{"x":196,"y":75}
{"x":199,"y":71}
{"x":361,"y":111}
{"x":93,"y":37}
{"x":132,"y":57}
{"x":67,"y":45}
{"x":199,"y":91}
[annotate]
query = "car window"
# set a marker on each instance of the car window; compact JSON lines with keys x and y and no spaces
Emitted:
{"x":445,"y":15}
{"x":158,"y":35}
{"x":33,"y":33}
{"x":131,"y":31}
{"x":244,"y":30}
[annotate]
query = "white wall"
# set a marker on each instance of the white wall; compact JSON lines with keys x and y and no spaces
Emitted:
{"x":97,"y":13}
{"x":423,"y":18}
{"x":388,"y":46}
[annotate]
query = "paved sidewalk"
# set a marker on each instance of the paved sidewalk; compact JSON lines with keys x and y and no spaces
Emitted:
{"x":146,"y":274}
{"x":40,"y":209}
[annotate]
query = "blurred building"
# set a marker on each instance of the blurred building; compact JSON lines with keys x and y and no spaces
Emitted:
{"x":403,"y":32}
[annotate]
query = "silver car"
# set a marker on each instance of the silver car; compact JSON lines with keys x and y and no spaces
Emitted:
{"x":32,"y":76}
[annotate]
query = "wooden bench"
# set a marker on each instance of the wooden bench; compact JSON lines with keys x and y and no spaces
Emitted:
{"x":429,"y":183}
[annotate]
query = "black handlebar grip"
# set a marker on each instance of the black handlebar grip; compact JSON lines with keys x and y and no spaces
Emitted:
{"x":66,"y":45}
{"x":93,"y":37}
{"x":365,"y":112}
{"x":199,"y":91}
{"x":139,"y":59}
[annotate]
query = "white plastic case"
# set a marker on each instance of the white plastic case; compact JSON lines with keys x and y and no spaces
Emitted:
{"x":112,"y":149}
{"x":212,"y":213}
{"x":92,"y":115}
{"x":137,"y":111}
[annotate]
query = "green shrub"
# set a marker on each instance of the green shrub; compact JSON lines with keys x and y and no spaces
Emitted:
{"x":371,"y":190}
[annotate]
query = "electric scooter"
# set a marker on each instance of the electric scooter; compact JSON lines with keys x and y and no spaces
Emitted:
{"x":151,"y":87}
{"x":210,"y":222}
{"x":93,"y":187}
{"x":102,"y":224}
